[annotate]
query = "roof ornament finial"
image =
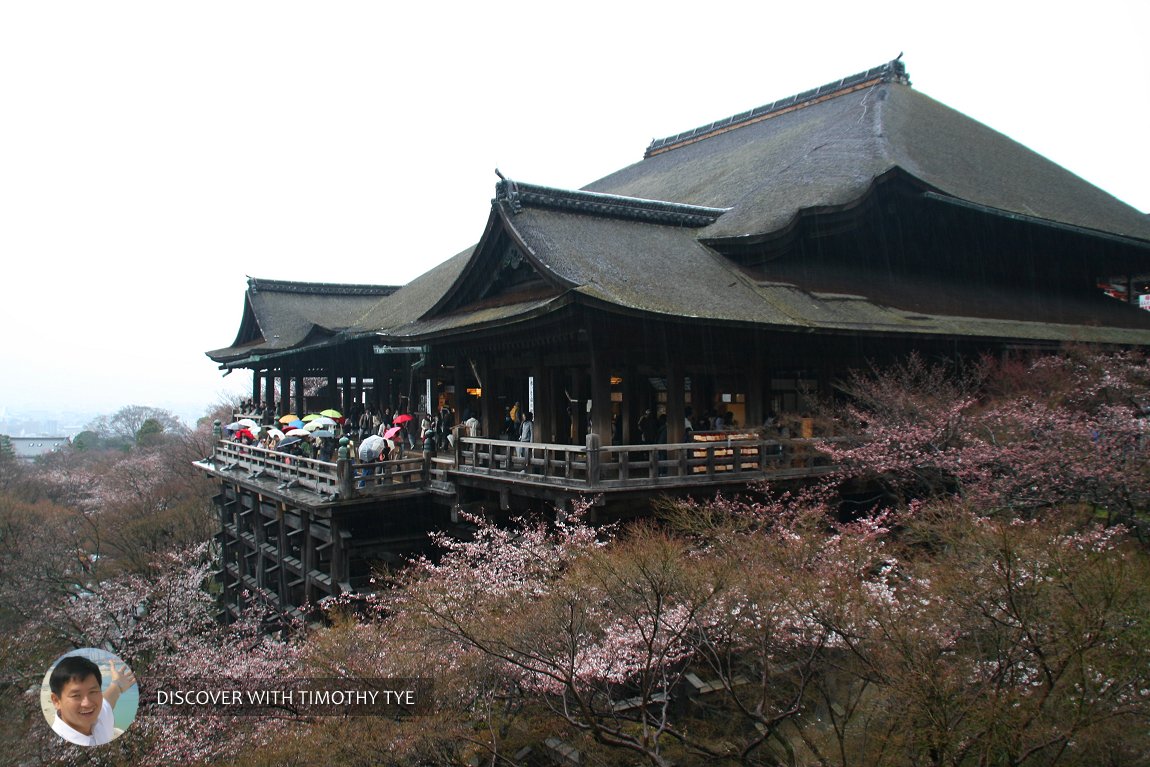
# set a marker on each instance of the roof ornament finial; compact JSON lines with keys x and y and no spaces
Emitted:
{"x":896,"y":72}
{"x":507,"y":190}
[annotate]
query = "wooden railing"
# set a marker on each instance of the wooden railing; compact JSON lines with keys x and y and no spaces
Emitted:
{"x":381,"y":477}
{"x":595,"y":467}
{"x":351,"y":479}
{"x":580,"y":468}
{"x":564,"y":465}
{"x":292,"y":470}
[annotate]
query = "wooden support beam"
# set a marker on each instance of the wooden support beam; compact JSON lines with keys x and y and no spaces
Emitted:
{"x":675,"y":402}
{"x":282,"y":544}
{"x":298,"y":405}
{"x":269,"y":388}
{"x":757,"y":390}
{"x":631,"y":406}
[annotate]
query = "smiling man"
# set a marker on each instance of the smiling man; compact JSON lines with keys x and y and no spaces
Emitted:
{"x":83,"y":709}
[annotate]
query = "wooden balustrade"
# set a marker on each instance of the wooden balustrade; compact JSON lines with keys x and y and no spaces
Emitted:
{"x":561,"y":465}
{"x":291,"y":470}
{"x":380,"y":477}
{"x":321,"y":477}
{"x":595,"y":467}
{"x":581,"y":468}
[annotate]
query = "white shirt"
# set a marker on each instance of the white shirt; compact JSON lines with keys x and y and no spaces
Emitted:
{"x":103,"y":731}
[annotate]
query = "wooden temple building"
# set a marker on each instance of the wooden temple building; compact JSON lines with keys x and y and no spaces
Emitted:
{"x":737,"y":267}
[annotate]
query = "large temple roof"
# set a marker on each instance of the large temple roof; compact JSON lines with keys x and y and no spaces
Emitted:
{"x":826,"y":148}
{"x":628,"y":264}
{"x":650,"y":238}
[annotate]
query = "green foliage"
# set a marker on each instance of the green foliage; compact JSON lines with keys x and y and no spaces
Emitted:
{"x":86,"y":440}
{"x":125,"y":424}
{"x":150,"y":431}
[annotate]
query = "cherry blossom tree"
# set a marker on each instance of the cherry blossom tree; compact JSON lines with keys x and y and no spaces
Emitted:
{"x":1057,"y":430}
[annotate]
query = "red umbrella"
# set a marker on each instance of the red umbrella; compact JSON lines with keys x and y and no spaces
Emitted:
{"x":390,"y":433}
{"x":402,"y":418}
{"x":245,"y":433}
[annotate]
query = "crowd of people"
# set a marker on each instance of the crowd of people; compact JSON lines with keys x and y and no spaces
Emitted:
{"x":266,"y":427}
{"x":435,"y":431}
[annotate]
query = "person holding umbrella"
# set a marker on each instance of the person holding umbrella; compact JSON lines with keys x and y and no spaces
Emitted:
{"x":370,"y":452}
{"x":402,"y":420}
{"x":370,"y":448}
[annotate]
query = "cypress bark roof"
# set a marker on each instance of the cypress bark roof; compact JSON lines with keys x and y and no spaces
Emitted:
{"x":825,"y":149}
{"x":664,"y":270}
{"x":650,"y":238}
{"x":279,"y":315}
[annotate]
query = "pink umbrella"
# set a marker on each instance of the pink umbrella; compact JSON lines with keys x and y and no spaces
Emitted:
{"x":390,"y":433}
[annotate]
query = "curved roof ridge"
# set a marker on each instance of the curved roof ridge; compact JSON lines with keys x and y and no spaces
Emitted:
{"x":257,"y":285}
{"x":891,"y":72}
{"x":517,"y":195}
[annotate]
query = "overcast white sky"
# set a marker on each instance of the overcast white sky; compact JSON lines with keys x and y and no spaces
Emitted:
{"x":153,"y":154}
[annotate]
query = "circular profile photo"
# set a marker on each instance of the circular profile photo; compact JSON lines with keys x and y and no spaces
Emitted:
{"x":89,"y":697}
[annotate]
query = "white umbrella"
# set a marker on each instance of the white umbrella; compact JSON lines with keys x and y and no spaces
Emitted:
{"x":319,"y":423}
{"x":276,"y":433}
{"x":298,"y":433}
{"x":248,"y":423}
{"x":370,"y":448}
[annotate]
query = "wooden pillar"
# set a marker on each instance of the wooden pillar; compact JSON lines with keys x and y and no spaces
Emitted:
{"x":578,"y":434}
{"x":285,"y":392}
{"x":256,"y":388}
{"x":757,"y":389}
{"x":260,"y":533}
{"x":675,"y":395}
{"x":600,"y":399}
{"x":489,"y":416}
{"x":709,"y":393}
{"x":461,"y":379}
{"x":282,"y":543}
{"x":826,"y":376}
{"x":599,"y":372}
{"x":269,"y":388}
{"x":307,"y":557}
{"x":339,"y":558}
{"x":698,"y":407}
{"x":544,"y":402}
{"x":299,"y":399}
{"x":631,"y":407}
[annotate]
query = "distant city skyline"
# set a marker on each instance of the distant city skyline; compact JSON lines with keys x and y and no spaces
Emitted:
{"x":155,"y":155}
{"x":45,"y":423}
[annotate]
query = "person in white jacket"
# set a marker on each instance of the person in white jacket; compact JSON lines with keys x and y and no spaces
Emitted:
{"x":526,"y":432}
